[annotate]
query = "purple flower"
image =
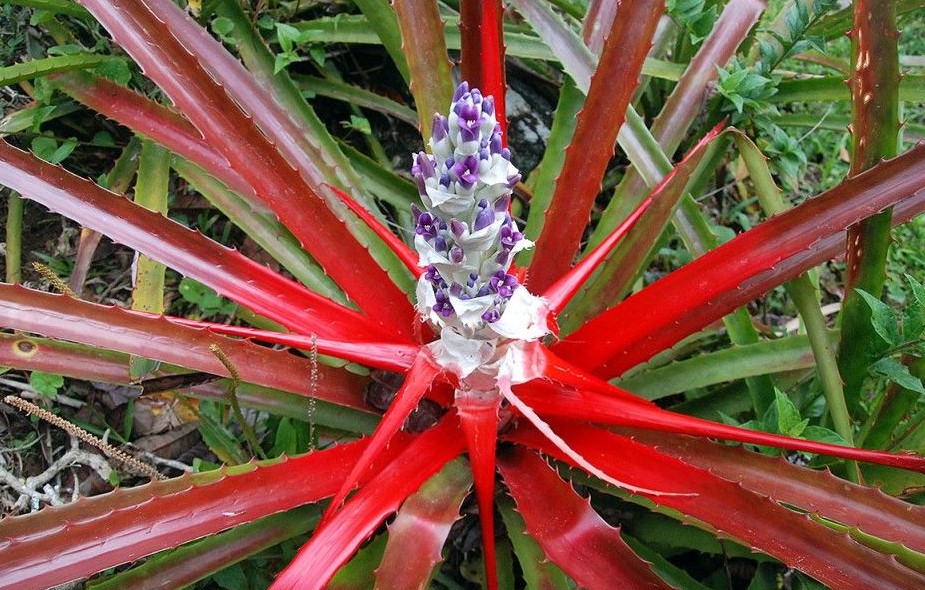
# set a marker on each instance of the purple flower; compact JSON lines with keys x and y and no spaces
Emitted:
{"x":485,"y":216}
{"x":491,"y":315}
{"x":428,"y":226}
{"x":467,"y":171}
{"x":509,"y":237}
{"x":433,"y":275}
{"x":442,"y":305}
{"x":503,"y":284}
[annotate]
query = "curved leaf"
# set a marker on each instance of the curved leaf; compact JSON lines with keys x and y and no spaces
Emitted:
{"x":242,"y":280}
{"x":421,"y":527}
{"x":333,"y":544}
{"x":189,"y":564}
{"x":197,"y":74}
{"x":832,"y":558}
{"x":683,"y":104}
{"x":743,"y":268}
{"x":482,"y":55}
{"x":158,"y":338}
{"x":37,"y":68}
{"x":601,"y":409}
{"x":423,"y":43}
{"x":57,"y":545}
{"x":106,"y":366}
{"x":570,"y":532}
{"x":592,"y":145}
{"x":818,"y":492}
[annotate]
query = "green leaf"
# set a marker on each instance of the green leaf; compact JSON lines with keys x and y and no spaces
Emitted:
{"x":788,"y":419}
{"x":209,"y":302}
{"x":231,"y":578}
{"x":46,"y":383}
{"x":49,"y":150}
{"x":914,"y":313}
{"x":898,"y":373}
{"x":882,"y":317}
{"x":821,"y":434}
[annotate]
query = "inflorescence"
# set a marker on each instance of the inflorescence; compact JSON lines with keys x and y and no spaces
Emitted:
{"x":466,"y":237}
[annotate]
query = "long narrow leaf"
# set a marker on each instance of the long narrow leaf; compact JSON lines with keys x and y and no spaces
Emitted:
{"x":832,"y":558}
{"x":238,"y":278}
{"x":174,"y":64}
{"x":593,"y":143}
{"x":428,"y":63}
{"x":743,"y":268}
{"x":482,"y":56}
{"x":551,"y":401}
{"x":421,"y":527}
{"x":570,"y":532}
{"x":819,"y":492}
{"x":65,"y":318}
{"x":64,"y":543}
{"x":334,"y":543}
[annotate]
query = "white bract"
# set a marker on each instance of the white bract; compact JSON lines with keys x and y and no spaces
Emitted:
{"x":466,"y":241}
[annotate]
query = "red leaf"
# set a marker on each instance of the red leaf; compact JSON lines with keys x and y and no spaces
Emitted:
{"x":229,"y":273}
{"x":601,"y":409}
{"x":405,"y":254}
{"x":424,"y":45}
{"x":482,"y":52}
{"x":59,"y":316}
{"x":421,"y":527}
{"x":593,"y":143}
{"x":152,"y":120}
{"x":570,"y":532}
{"x":832,"y":558}
{"x":818,"y":492}
{"x":478,"y":416}
{"x":420,"y":376}
{"x":200,"y":77}
{"x":60,"y":544}
{"x":382,"y":355}
{"x":333,"y":544}
{"x":736,"y":272}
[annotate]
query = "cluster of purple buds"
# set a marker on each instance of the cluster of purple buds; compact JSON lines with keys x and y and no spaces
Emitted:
{"x":465,"y":237}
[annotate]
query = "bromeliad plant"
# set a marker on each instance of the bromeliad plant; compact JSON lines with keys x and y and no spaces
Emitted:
{"x":468,"y":317}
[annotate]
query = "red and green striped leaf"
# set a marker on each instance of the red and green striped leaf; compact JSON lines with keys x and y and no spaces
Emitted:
{"x":420,"y":529}
{"x":334,"y":543}
{"x":65,"y":318}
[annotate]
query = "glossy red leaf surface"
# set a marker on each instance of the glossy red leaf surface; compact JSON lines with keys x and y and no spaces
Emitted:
{"x":418,"y":380}
{"x":684,"y":104}
{"x":333,"y":544}
{"x":623,"y":264}
{"x":381,"y":355}
{"x":421,"y":527}
{"x":570,"y":532}
{"x":478,"y":417}
{"x":592,"y":145}
{"x":405,"y":253}
{"x":830,"y":557}
{"x":651,"y":219}
{"x":818,"y":492}
{"x":59,"y":316}
{"x":729,"y":276}
{"x":178,"y":64}
{"x":238,"y":278}
{"x":60,"y":544}
{"x":601,"y":409}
